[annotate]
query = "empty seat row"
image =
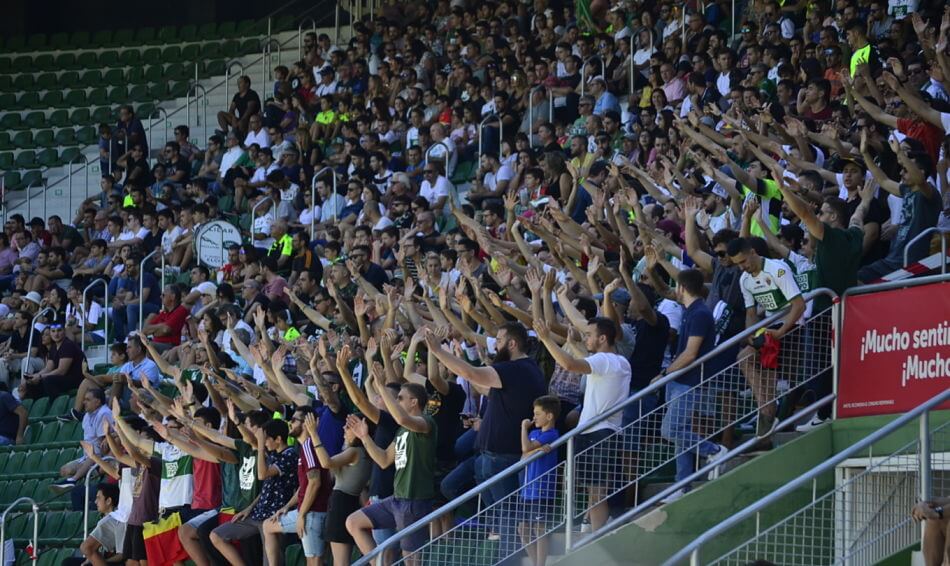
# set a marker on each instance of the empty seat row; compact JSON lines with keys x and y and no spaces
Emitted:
{"x":121,"y":94}
{"x":37,"y":464}
{"x":143,"y":36}
{"x":47,"y":408}
{"x":46,"y":138}
{"x":30,"y":159}
{"x":34,"y":120}
{"x":128,"y":57}
{"x":53,"y":526}
{"x":140,"y":74}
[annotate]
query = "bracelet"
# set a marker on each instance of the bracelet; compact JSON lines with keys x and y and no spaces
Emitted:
{"x":939,"y":510}
{"x":315,"y":446}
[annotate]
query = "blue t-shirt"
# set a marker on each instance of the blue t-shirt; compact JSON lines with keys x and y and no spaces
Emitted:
{"x":521,"y":383}
{"x":539,"y":483}
{"x":146,"y":366}
{"x":697,"y":321}
{"x":330,"y":428}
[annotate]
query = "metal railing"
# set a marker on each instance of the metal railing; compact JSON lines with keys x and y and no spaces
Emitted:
{"x":25,"y":363}
{"x":85,"y":167}
{"x":227,"y":78}
{"x":105,"y":312}
{"x":163,"y":116}
{"x":501,"y":132}
{"x":199,"y":93}
{"x":85,"y":507}
{"x":313,"y":199}
{"x":603,"y":71}
{"x":142,"y":285}
{"x":531,"y":112}
{"x":267,"y":50}
{"x":36,"y":527}
{"x":254,"y":216}
{"x":300,"y":28}
{"x":944,"y":234}
{"x":634,"y":451}
{"x":850,"y":523}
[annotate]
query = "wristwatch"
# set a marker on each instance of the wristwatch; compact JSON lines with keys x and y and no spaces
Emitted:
{"x":939,"y":510}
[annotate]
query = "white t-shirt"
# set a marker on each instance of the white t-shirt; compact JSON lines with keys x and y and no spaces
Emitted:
{"x":260,"y":138}
{"x":262,"y":225}
{"x":178,"y":481}
{"x":438,"y":152}
{"x":169,"y":237}
{"x":261,"y":173}
{"x":771,"y":289}
{"x":126,"y":481}
{"x":434,"y":193}
{"x":607,"y":384}
{"x":505,"y":173}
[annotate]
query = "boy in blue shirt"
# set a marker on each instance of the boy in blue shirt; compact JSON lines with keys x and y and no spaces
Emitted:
{"x":540,"y":479}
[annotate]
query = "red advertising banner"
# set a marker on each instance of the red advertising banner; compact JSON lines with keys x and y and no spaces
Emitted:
{"x":895,"y":350}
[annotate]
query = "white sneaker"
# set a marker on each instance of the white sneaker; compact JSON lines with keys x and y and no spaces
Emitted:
{"x":714,"y":473}
{"x":673,"y":496}
{"x":811,"y":425}
{"x":782,"y":386}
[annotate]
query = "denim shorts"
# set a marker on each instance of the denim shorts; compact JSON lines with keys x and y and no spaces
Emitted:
{"x":399,"y":514}
{"x":312,"y":540}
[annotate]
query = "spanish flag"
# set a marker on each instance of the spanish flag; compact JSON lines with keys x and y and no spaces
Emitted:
{"x":161,"y":541}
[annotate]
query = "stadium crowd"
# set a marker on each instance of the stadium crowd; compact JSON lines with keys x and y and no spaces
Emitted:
{"x":373,"y":351}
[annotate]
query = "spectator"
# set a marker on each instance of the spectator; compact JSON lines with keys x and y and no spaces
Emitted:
{"x":96,"y":413}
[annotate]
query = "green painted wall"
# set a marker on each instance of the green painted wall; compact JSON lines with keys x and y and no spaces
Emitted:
{"x":657,"y":535}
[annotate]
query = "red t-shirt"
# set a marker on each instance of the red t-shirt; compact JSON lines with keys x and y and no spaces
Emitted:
{"x":174,"y":319}
{"x":924,"y":132}
{"x":207,"y":493}
{"x":308,"y":461}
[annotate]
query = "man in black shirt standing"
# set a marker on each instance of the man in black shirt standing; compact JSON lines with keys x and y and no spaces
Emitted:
{"x":245,"y":104}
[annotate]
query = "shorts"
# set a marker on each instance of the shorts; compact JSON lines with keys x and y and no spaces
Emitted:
{"x":195,"y":521}
{"x":110,"y":532}
{"x":597,"y":459}
{"x":133,"y":547}
{"x":238,"y":530}
{"x":341,"y":506}
{"x":312,"y":540}
{"x":398,"y":513}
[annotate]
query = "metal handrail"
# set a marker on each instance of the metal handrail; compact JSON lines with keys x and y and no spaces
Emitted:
{"x":253,"y":216}
{"x":266,"y":52}
{"x":105,"y":312}
{"x":300,"y":34}
{"x":204,"y":114}
{"x":737,"y":451}
{"x":85,"y":508}
{"x":29,"y":346}
{"x":69,"y":174}
{"x":142,"y":284}
{"x":501,"y":134}
{"x":36,"y":526}
{"x":163,"y":116}
{"x":227,"y":78}
{"x":313,"y":200}
{"x":943,"y":246}
{"x":603,"y":71}
{"x":568,"y":438}
{"x":448,"y":156}
{"x":531,"y":112}
{"x":693,"y":548}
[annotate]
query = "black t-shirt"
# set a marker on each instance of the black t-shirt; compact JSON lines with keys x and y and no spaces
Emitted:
{"x":241,"y":102}
{"x":19,"y":343}
{"x":376,"y":276}
{"x":649,"y":346}
{"x":180,"y":165}
{"x":9,"y":420}
{"x":68,"y":349}
{"x":308,"y":261}
{"x":521,"y":383}
{"x":381,"y":480}
{"x":445,"y":409}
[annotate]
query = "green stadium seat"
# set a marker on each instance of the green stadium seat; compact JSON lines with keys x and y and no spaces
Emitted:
{"x":248,"y":27}
{"x":102,"y":114}
{"x":214,"y":68}
{"x":32,"y":179}
{"x":207,"y":51}
{"x":50,"y":433}
{"x":35,"y":120}
{"x":123,"y":38}
{"x":226,"y":29}
{"x":6,"y":162}
{"x":26,"y":101}
{"x":12,"y":179}
{"x":79,"y":39}
{"x":59,"y":406}
{"x":21,"y":525}
{"x":66,"y":61}
{"x":44,"y":62}
{"x":5,"y":65}
{"x":43,"y":138}
{"x":151,"y":56}
{"x":16,"y":43}
{"x":89,"y":61}
{"x":80,"y":117}
{"x":179,"y":72}
{"x":52,"y":99}
{"x":158,"y":91}
{"x":75,"y":98}
{"x":293,"y":554}
{"x":24,"y":140}
{"x":136,"y":75}
{"x":97,"y":97}
{"x":46,"y":81}
{"x":5,"y":142}
{"x":59,"y":41}
{"x":24,"y":82}
{"x":69,"y":79}
{"x":87,"y":135}
{"x":6,"y":81}
{"x":10,"y":120}
{"x":145,"y":36}
{"x":188,"y":32}
{"x":71,"y":432}
{"x":26,"y":160}
{"x":129,"y":58}
{"x":155,"y":74}
{"x":145,"y":111}
{"x":108,"y":59}
{"x":113,"y":77}
{"x":22,"y":64}
{"x":36,"y":42}
{"x":167,"y":34}
{"x":179,"y":89}
{"x":31,"y":464}
{"x":71,"y":525}
{"x":8,"y":489}
{"x":119,"y":94}
{"x":102,"y":39}
{"x":250,"y":46}
{"x":138,"y":93}
{"x":284,"y":23}
{"x":231,"y":48}
{"x":208,"y":31}
{"x":51,"y":525}
{"x":14,"y":462}
{"x":171,"y":54}
{"x":90,"y":78}
{"x":58,"y":119}
{"x":69,"y":155}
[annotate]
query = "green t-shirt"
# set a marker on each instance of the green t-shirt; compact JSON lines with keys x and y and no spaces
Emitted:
{"x":415,"y":462}
{"x":837,"y":258}
{"x":239,"y":481}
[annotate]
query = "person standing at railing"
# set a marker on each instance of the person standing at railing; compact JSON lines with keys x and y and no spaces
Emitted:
{"x":936,"y":543}
{"x":607,"y":376}
{"x":697,"y":337}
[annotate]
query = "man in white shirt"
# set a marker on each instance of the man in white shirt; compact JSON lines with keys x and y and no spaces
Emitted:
{"x":327,"y":86}
{"x":436,"y":151}
{"x":435,"y":188}
{"x":607,"y":374}
{"x":263,"y":220}
{"x":256,"y":133}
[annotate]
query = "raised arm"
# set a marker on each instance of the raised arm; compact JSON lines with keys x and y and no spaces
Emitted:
{"x":484,"y":376}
